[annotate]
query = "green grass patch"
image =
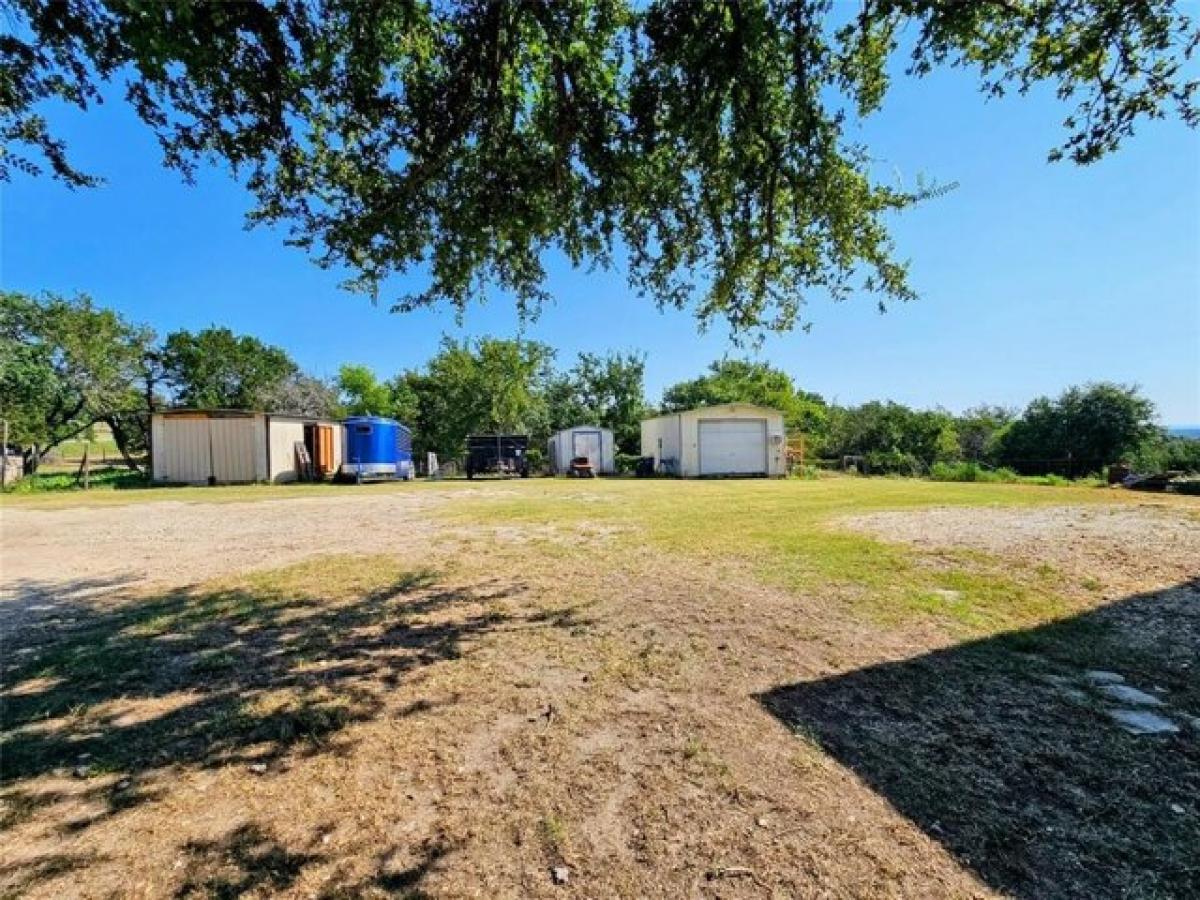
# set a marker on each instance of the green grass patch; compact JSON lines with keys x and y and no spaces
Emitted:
{"x":100,"y":479}
{"x":788,"y":533}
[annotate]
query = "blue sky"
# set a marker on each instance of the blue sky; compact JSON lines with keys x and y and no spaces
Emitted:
{"x":1032,"y":276}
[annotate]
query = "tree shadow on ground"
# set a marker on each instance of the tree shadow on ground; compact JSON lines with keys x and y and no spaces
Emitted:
{"x":207,"y":678}
{"x":247,"y":859}
{"x":1006,"y":752}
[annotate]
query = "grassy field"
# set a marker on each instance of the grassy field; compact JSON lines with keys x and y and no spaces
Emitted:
{"x":646,"y":689}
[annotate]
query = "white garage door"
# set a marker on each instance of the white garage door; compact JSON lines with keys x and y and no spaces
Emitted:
{"x":733,"y":446}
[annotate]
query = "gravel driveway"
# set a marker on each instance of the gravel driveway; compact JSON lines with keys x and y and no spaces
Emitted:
{"x":1122,"y":547}
{"x":61,"y":554}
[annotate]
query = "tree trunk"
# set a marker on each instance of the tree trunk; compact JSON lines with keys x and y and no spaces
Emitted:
{"x":30,"y":459}
{"x":122,"y":438}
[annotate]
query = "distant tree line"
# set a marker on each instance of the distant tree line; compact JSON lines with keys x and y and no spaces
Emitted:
{"x":67,"y":364}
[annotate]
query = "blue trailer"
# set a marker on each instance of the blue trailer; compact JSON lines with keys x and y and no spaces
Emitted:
{"x":376,"y":447}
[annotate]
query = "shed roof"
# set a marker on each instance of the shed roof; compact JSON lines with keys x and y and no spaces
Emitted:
{"x":583,"y":427}
{"x":717,"y":406}
{"x":189,"y":412}
{"x":184,"y":412}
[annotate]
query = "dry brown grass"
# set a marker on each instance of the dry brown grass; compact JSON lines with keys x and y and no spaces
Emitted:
{"x":661,"y":721}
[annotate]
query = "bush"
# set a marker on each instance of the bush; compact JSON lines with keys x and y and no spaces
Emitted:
{"x":100,"y":479}
{"x":972,"y":471}
{"x":892,"y":462}
{"x":626,"y":463}
{"x":805,"y":472}
{"x":1168,"y":454}
{"x":536,"y":457}
{"x":962,"y":471}
{"x":1051,"y":480}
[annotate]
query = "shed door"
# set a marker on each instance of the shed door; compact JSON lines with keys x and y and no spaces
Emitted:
{"x":184,"y":456}
{"x":587,"y":443}
{"x":733,"y":446}
{"x":232,"y":449}
{"x":323,"y":458}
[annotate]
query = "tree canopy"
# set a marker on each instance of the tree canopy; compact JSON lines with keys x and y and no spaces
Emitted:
{"x":707,"y":140}
{"x":216,"y":369}
{"x":603,"y":390}
{"x":746,"y":381}
{"x":64,"y":365}
{"x":363,"y":394}
{"x":490,"y":385}
{"x":303,"y":395}
{"x":1092,"y":425}
{"x":891,"y":437}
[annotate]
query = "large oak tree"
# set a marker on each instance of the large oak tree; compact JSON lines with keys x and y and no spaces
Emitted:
{"x":66,"y":364}
{"x":706,"y":141}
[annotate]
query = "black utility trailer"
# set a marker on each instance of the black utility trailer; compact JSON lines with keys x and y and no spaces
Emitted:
{"x":503,"y":454}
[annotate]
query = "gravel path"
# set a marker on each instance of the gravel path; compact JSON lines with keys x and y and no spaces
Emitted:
{"x":1122,"y":547}
{"x":68,"y":554}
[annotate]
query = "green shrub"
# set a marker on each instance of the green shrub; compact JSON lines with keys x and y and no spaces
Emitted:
{"x":892,"y":462}
{"x":100,"y":479}
{"x":1168,"y":454}
{"x":626,"y":463}
{"x":536,"y":458}
{"x":960,"y":471}
{"x":1004,"y":475}
{"x":972,"y":471}
{"x":806,"y":472}
{"x":1053,"y":480}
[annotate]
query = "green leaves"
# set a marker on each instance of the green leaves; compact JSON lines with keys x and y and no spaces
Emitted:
{"x":216,"y":369}
{"x":746,"y":381}
{"x":64,"y":365}
{"x":1089,"y":426}
{"x":703,"y":140}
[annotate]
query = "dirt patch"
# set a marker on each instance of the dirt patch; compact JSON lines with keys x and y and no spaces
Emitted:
{"x":52,"y":558}
{"x":1119,"y":548}
{"x":468,"y":710}
{"x":177,"y":543}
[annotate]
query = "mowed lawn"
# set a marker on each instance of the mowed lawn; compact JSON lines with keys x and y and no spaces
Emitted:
{"x":835,"y":688}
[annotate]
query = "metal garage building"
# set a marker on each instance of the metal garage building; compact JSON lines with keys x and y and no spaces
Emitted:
{"x":592,"y":441}
{"x":728,"y":439}
{"x":229,"y":446}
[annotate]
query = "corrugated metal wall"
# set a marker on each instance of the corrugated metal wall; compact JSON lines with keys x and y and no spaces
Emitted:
{"x":284,"y":435}
{"x":191,"y":449}
{"x":563,"y":449}
{"x":182,"y":450}
{"x":233,"y":449}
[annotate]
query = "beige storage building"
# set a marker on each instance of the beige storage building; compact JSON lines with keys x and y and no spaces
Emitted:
{"x":730,"y":439}
{"x":224,"y":446}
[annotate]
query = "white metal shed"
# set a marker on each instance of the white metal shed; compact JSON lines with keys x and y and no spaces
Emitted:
{"x":229,"y":446}
{"x":592,"y":441}
{"x":727,"y":439}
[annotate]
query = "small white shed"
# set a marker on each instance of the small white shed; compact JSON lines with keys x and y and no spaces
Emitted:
{"x":231,"y":446}
{"x":723,"y":440}
{"x":592,"y":441}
